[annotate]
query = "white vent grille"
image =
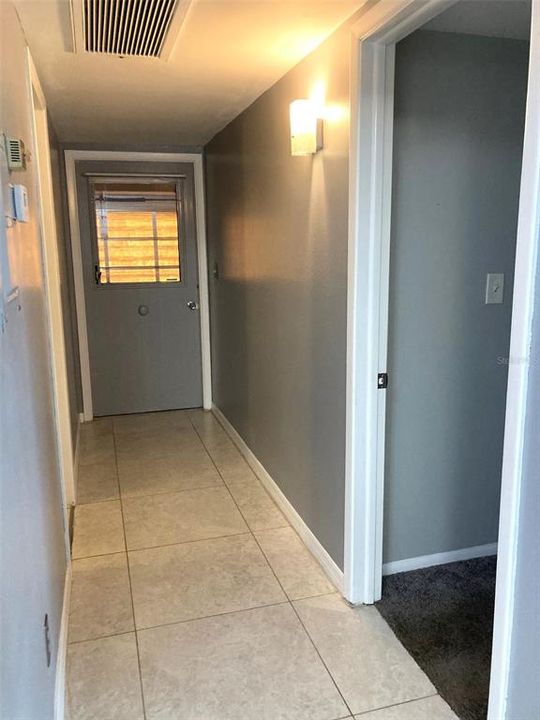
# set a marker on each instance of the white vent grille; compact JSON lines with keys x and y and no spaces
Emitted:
{"x":127,"y":27}
{"x":15,"y":154}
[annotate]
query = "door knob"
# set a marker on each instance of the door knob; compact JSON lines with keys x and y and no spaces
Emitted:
{"x":192,"y":305}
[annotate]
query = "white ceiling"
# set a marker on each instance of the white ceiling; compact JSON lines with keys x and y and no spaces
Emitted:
{"x":494,"y":18}
{"x":228,"y":53}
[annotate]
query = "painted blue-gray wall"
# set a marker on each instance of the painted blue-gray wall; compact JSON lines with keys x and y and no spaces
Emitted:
{"x":459,"y":113}
{"x":277,"y":229}
{"x":32,"y":552}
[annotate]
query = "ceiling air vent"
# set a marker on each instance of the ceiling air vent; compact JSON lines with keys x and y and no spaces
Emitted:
{"x":128,"y":28}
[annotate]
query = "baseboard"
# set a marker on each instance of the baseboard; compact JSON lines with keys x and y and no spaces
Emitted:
{"x":60,"y":681}
{"x":334,"y":573}
{"x":423,"y":561}
{"x":76,"y":456}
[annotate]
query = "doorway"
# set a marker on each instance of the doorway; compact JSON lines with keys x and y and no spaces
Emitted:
{"x":370,"y":249}
{"x":139,"y":256}
{"x":459,"y":110}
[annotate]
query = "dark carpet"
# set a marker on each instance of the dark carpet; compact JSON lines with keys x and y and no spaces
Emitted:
{"x":444,"y":617}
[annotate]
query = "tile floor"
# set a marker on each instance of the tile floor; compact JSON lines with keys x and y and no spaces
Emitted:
{"x":193,"y":598}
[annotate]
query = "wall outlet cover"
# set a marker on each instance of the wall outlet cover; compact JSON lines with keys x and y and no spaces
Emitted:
{"x":494,"y":288}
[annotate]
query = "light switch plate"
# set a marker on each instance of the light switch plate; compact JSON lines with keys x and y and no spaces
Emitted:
{"x":494,"y":288}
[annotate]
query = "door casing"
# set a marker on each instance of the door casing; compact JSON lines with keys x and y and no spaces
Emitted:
{"x":196,"y":160}
{"x":374,"y":37}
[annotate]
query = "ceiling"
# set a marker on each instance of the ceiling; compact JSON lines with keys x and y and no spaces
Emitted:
{"x":494,"y":18}
{"x":227,"y":53}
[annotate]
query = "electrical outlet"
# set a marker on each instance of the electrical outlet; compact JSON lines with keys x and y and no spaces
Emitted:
{"x":47,"y":639}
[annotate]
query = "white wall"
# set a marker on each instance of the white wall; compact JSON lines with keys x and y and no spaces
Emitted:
{"x":33,"y":562}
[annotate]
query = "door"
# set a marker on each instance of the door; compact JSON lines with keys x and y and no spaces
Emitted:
{"x":139,"y":256}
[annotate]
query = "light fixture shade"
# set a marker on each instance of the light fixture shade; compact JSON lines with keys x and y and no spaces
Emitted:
{"x":306,"y":128}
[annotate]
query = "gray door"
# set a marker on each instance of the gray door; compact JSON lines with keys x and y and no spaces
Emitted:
{"x":139,"y":257}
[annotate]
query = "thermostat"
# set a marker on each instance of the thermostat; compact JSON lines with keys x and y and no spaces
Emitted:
{"x":20,"y":203}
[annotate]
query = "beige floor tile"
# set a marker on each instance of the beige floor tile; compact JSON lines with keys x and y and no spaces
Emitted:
{"x":239,"y":473}
{"x":431,"y":708}
{"x":97,"y":482}
{"x":179,"y":443}
{"x":215,"y":439}
{"x":166,"y":474}
{"x":204,"y":420}
{"x":96,"y":449}
{"x":100,"y":598}
{"x":98,"y":529}
{"x":254,"y":665}
{"x":144,"y":422}
{"x":256,"y":505}
{"x":297,"y":570}
{"x":180,"y":517}
{"x":198,"y":579}
{"x":227,"y":458}
{"x":103,"y":680}
{"x":97,"y":427}
{"x":370,"y":666}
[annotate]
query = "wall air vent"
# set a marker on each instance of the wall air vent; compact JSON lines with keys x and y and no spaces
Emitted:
{"x":16,"y":156}
{"x":127,"y":28}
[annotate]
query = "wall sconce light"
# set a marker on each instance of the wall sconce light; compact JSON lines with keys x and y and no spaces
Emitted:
{"x":306,"y":128}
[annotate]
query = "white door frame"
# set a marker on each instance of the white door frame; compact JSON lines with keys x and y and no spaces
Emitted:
{"x":194,"y":159}
{"x":372,"y":86}
{"x":49,"y":241}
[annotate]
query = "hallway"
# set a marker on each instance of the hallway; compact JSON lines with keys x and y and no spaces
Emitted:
{"x":193,"y":598}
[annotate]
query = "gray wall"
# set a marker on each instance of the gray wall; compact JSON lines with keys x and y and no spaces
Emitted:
{"x":524,"y":689}
{"x":67,"y":287}
{"x":459,"y":112}
{"x":277,"y":228}
{"x":31,"y":519}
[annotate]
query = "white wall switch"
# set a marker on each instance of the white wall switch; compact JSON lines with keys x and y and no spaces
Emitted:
{"x":20,"y":203}
{"x":494,"y":288}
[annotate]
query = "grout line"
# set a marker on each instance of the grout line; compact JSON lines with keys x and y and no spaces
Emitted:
{"x":314,"y":597}
{"x":91,"y":557}
{"x":173,"y":492}
{"x":289,"y":602}
{"x":98,"y":502}
{"x":103,"y":637}
{"x":190,"y":542}
{"x":405,"y":702}
{"x":321,"y":658}
{"x":214,"y":615}
{"x":215,"y":485}
{"x":129,"y":580}
{"x":156,"y":547}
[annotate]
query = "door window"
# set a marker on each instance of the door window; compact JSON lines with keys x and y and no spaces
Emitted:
{"x":137,"y":232}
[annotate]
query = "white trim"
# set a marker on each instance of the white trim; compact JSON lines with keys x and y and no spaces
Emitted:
{"x":76,"y":457}
{"x":61,"y":657}
{"x":335,"y":575}
{"x":371,"y":92}
{"x":518,"y":375}
{"x":71,"y":158}
{"x":49,"y":242}
{"x":204,"y":303}
{"x":424,"y":561}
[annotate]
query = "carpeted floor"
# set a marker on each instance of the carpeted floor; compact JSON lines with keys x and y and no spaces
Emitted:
{"x":444,"y":617}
